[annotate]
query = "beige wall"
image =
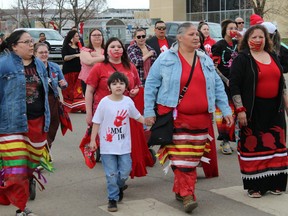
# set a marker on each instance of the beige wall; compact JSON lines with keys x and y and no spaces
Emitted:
{"x":175,"y":10}
{"x":168,"y":10}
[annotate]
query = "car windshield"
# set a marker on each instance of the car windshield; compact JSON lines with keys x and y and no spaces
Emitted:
{"x":50,"y":35}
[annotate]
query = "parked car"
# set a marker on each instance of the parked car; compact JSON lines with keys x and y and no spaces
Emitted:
{"x":215,"y":29}
{"x":53,"y":37}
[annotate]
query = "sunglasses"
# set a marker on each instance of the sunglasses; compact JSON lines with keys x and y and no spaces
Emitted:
{"x":161,"y":28}
{"x":240,"y":23}
{"x":140,"y":36}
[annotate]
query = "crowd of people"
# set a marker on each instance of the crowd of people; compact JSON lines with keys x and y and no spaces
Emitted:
{"x":237,"y":80}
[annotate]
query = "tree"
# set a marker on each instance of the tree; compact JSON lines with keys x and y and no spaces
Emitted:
{"x":83,"y":10}
{"x":61,"y":16}
{"x":25,"y":5}
{"x":42,"y":6}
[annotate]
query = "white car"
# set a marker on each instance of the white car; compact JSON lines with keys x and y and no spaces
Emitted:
{"x":53,"y":37}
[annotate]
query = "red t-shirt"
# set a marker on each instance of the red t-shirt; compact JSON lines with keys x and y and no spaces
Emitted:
{"x":268,"y":80}
{"x":208,"y":43}
{"x":195,"y":99}
{"x":163,"y":44}
{"x":99,"y":75}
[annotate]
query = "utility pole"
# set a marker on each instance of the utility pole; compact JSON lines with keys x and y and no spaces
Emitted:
{"x":18,"y":14}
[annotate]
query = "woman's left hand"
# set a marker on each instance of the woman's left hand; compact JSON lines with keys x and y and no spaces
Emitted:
{"x":62,"y":83}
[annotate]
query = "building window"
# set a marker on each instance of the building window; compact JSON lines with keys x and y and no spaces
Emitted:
{"x":213,"y":5}
{"x":193,"y":6}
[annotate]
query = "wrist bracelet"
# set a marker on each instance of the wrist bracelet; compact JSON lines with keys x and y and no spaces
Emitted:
{"x":240,"y":109}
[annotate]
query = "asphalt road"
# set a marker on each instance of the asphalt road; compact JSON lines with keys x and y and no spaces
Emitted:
{"x":73,"y":189}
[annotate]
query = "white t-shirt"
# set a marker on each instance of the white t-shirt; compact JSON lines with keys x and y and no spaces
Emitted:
{"x":114,"y":131}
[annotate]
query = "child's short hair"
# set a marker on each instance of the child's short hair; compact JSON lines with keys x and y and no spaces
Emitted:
{"x":118,"y":76}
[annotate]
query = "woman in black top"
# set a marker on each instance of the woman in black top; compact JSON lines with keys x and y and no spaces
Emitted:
{"x":73,"y":98}
{"x":224,"y":51}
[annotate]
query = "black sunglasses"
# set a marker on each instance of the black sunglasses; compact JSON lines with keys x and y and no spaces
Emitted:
{"x":161,"y":28}
{"x":240,"y":23}
{"x":139,"y":36}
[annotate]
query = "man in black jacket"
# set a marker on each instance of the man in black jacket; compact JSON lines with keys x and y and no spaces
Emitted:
{"x":160,"y":42}
{"x":42,"y":39}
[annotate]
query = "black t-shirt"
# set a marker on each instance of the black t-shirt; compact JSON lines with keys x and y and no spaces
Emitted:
{"x":35,"y":96}
{"x":74,"y":64}
{"x":226,"y":53}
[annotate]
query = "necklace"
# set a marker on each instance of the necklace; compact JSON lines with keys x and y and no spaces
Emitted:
{"x":232,"y":56}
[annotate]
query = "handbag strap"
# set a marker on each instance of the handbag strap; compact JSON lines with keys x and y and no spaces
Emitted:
{"x":185,"y":88}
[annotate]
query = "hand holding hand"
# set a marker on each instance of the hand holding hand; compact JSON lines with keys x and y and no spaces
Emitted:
{"x":149,"y":121}
{"x":229,"y":120}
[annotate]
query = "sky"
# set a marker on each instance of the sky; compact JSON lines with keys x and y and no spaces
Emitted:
{"x":111,"y":3}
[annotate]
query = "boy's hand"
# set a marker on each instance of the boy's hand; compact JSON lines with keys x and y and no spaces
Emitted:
{"x":93,"y":146}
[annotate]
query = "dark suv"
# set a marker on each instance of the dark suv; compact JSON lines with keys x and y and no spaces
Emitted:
{"x":215,"y":29}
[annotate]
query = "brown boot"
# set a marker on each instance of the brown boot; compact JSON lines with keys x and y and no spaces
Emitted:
{"x":189,"y":204}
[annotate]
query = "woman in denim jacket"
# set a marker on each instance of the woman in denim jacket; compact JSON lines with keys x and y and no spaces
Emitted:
{"x":25,"y":118}
{"x":192,"y":116}
{"x":56,"y":79}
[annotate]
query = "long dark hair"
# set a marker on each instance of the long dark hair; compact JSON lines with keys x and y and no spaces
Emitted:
{"x":12,"y":40}
{"x":68,"y":37}
{"x":90,"y":45}
{"x":201,"y":39}
{"x":224,"y":25}
{"x":124,"y":58}
{"x":268,"y":43}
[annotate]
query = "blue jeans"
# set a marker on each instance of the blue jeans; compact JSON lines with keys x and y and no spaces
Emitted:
{"x":117,"y":169}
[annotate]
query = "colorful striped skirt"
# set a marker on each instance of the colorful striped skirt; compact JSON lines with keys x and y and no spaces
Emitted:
{"x":226,"y":133}
{"x":20,"y":155}
{"x":190,"y":140}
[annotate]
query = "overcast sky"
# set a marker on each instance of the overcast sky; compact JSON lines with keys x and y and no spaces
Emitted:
{"x":111,"y":3}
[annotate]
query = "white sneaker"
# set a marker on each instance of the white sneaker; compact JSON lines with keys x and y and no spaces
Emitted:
{"x":226,"y":148}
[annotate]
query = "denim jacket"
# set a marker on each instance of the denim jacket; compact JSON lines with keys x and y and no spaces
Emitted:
{"x":55,"y":74}
{"x":163,"y":83}
{"x":13,"y":117}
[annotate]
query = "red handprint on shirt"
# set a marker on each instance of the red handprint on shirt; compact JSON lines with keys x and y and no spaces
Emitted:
{"x":109,"y":135}
{"x":120,"y":117}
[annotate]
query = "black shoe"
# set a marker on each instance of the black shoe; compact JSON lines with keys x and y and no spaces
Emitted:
{"x":121,"y":194}
{"x":112,"y":206}
{"x":178,"y":197}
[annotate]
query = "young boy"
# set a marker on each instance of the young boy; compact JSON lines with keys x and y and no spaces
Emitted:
{"x":111,"y":122}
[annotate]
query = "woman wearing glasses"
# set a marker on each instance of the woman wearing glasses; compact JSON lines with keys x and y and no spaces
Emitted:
{"x":56,"y":79}
{"x":91,"y":55}
{"x":141,"y":55}
{"x":25,"y":118}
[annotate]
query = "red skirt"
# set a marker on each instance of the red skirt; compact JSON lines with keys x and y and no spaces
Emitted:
{"x":140,"y":153}
{"x":73,"y":98}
